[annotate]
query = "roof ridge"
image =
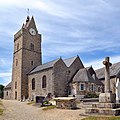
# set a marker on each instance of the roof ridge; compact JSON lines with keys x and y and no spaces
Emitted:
{"x":50,"y":61}
{"x":71,"y":57}
{"x":69,"y":61}
{"x":44,"y":66}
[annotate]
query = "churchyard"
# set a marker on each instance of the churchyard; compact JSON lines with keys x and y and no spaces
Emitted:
{"x":104,"y":107}
{"x":14,"y":110}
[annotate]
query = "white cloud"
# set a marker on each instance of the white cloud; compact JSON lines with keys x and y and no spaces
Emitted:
{"x":5,"y":78}
{"x":5,"y":74}
{"x":98,"y":63}
{"x":69,"y":27}
{"x":52,"y":9}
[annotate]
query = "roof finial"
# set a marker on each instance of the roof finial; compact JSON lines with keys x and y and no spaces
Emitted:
{"x":28,"y":18}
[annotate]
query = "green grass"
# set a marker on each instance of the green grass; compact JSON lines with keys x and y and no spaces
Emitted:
{"x":102,"y":118}
{"x":1,"y":111}
{"x":1,"y":108}
{"x":30,"y":103}
{"x":49,"y":107}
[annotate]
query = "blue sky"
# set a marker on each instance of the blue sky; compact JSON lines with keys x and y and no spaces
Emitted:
{"x":88,"y":28}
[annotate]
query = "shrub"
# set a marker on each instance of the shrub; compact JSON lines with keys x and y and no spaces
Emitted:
{"x":91,"y":95}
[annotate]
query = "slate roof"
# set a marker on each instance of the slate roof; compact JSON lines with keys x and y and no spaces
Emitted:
{"x":44,"y":66}
{"x":69,"y":61}
{"x":8,"y":86}
{"x":84,"y":76}
{"x":90,"y":70}
{"x":114,"y":70}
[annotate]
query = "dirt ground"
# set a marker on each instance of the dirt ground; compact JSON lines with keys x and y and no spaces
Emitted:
{"x":15,"y":110}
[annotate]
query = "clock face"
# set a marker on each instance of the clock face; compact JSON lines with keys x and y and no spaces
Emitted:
{"x":32,"y":31}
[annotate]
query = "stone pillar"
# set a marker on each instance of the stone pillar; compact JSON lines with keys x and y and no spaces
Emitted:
{"x":107,"y":103}
{"x":107,"y":97}
{"x":107,"y":74}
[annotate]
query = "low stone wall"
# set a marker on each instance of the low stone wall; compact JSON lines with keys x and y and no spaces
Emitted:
{"x":65,"y":103}
{"x":90,"y":100}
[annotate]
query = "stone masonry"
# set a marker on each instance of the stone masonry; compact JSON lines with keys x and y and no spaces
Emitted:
{"x":107,"y":101}
{"x":25,"y":58}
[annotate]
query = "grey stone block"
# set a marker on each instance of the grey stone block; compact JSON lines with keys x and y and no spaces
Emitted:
{"x":107,"y":98}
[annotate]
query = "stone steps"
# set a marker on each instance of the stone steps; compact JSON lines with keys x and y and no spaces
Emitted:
{"x":103,"y":111}
{"x":106,"y":105}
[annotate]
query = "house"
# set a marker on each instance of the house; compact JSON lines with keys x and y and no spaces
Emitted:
{"x":83,"y":83}
{"x":8,"y":91}
{"x":114,"y":75}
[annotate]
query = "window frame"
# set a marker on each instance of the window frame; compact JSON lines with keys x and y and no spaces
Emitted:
{"x":15,"y":84}
{"x":81,"y":86}
{"x":7,"y":93}
{"x":44,"y":82}
{"x":92,"y":87}
{"x":33,"y":83}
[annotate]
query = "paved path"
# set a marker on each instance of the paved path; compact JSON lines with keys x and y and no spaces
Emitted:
{"x":15,"y":110}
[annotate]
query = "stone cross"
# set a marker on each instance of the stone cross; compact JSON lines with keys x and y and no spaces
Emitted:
{"x":107,"y":74}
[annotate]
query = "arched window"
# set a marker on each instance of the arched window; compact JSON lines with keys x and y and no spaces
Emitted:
{"x":33,"y":84}
{"x":44,"y":81}
{"x":7,"y":93}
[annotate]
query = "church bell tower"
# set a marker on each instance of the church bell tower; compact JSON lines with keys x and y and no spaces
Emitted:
{"x":27,"y":55}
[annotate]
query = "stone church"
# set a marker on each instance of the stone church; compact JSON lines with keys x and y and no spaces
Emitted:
{"x":60,"y":77}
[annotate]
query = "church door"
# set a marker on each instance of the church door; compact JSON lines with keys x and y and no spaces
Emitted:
{"x":15,"y":95}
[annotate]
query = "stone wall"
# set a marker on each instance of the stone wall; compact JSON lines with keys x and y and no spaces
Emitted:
{"x":60,"y":78}
{"x":16,"y":75}
{"x":112,"y":84}
{"x":27,"y":59}
{"x":87,"y":88}
{"x":39,"y":91}
{"x":7,"y":94}
{"x":72,"y":70}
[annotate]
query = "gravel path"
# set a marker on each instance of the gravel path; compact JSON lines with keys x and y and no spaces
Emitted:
{"x":15,"y":110}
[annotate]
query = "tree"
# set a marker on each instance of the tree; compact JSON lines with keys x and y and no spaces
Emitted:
{"x":1,"y":91}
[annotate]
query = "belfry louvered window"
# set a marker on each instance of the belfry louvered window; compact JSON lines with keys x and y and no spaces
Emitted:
{"x":31,"y":46}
